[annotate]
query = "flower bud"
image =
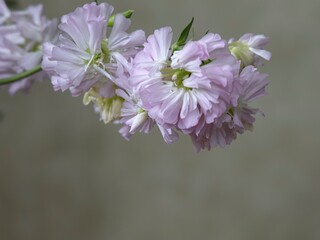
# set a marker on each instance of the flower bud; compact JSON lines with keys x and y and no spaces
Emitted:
{"x":109,"y":108}
{"x":242,"y":52}
{"x":249,"y":49}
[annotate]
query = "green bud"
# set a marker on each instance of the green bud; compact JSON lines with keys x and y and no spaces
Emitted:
{"x":90,"y":96}
{"x":242,"y":52}
{"x":109,"y":108}
{"x":126,"y":14}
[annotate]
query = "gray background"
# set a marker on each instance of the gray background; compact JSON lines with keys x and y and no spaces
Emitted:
{"x":65,"y":175}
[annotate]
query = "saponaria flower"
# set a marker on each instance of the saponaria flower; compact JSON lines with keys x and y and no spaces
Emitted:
{"x":250,"y":49}
{"x":249,"y":86}
{"x":84,"y":55}
{"x":22,"y":34}
{"x":178,"y":88}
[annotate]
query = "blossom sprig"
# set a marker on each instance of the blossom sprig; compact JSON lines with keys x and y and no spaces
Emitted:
{"x":12,"y":35}
{"x":22,"y":34}
{"x":201,"y":88}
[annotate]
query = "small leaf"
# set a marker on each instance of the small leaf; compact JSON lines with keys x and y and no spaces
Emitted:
{"x":185,"y":33}
{"x":183,"y":37}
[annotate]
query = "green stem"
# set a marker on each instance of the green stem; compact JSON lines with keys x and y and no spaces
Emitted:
{"x":20,"y":76}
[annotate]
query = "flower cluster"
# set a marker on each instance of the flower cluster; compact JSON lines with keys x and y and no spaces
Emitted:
{"x":22,"y":34}
{"x":202,"y":88}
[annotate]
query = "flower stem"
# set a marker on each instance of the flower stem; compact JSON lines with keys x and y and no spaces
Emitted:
{"x":20,"y":76}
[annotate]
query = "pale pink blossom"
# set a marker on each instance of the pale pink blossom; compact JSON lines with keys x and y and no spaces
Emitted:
{"x":85,"y":55}
{"x":21,"y":36}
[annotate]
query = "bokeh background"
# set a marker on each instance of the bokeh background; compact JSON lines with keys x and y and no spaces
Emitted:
{"x":65,"y":175}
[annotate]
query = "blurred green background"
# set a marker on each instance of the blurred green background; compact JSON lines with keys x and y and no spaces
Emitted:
{"x":65,"y":175}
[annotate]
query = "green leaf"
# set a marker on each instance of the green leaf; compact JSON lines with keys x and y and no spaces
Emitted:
{"x":185,"y":33}
{"x":126,"y":14}
{"x":183,"y":37}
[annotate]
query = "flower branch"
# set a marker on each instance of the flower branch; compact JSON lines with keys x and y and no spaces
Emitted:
{"x":203,"y":88}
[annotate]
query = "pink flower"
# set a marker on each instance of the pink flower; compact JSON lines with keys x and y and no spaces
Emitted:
{"x":133,"y":116}
{"x":21,"y":36}
{"x":220,"y":133}
{"x":250,"y":49}
{"x":256,"y":44}
{"x":4,"y":12}
{"x":185,"y":85}
{"x":250,"y":85}
{"x":84,"y":55}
